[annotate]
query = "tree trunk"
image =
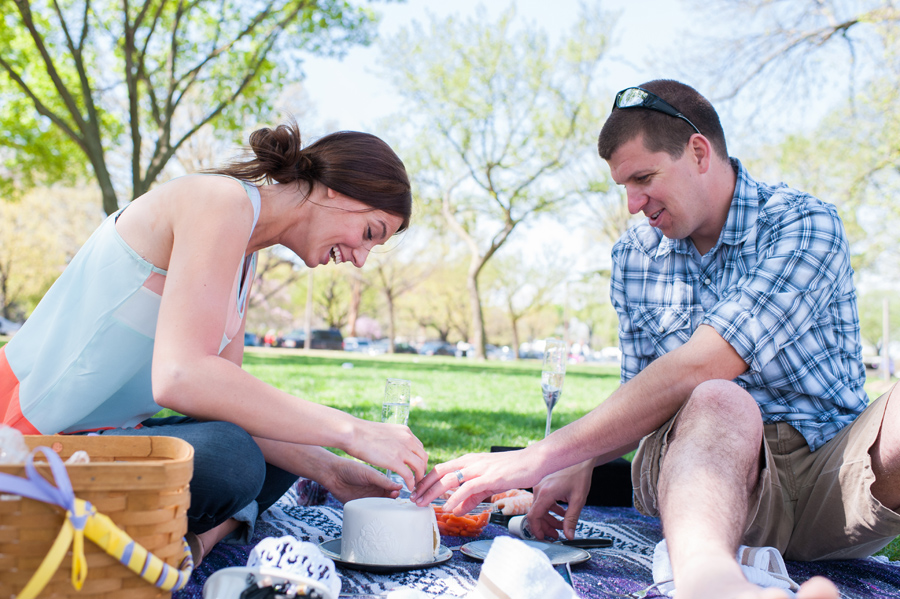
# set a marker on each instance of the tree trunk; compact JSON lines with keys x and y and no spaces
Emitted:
{"x":355,"y":298}
{"x":477,"y":341}
{"x":309,"y":311}
{"x":392,"y":332}
{"x":515,"y":333}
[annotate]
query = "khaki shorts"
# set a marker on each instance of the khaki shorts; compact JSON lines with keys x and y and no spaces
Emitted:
{"x":809,"y":505}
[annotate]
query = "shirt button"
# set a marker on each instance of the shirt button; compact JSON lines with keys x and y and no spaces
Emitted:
{"x":707,"y":281}
{"x":662,"y":329}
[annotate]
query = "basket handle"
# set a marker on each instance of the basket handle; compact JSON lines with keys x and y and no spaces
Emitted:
{"x":83,"y":519}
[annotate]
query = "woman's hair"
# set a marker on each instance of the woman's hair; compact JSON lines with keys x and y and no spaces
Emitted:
{"x":664,"y":133}
{"x":358,"y":165}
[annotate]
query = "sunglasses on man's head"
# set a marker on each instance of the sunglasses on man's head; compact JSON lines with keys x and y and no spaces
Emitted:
{"x":635,"y":97}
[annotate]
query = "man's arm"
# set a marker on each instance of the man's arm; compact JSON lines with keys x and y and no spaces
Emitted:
{"x":631,"y":412}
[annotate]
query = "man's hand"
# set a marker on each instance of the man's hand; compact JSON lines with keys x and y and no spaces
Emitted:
{"x":571,"y":486}
{"x":482,"y":474}
{"x":350,"y":479}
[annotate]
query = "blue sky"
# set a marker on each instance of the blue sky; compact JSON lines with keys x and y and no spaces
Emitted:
{"x":348,"y":94}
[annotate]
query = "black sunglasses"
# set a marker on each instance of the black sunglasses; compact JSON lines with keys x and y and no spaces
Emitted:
{"x":635,"y":97}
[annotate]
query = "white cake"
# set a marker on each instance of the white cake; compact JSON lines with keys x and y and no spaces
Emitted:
{"x":385,"y":531}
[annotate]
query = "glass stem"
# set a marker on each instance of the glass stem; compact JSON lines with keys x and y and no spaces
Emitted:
{"x":549,"y":415}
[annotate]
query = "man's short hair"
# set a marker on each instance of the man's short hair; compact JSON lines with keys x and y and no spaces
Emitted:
{"x":662,"y":132}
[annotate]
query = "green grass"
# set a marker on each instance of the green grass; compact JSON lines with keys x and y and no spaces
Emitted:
{"x":459,"y":406}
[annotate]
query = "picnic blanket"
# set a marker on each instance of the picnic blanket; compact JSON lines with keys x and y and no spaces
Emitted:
{"x":309,"y":514}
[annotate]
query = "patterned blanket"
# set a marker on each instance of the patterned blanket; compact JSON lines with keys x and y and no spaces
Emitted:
{"x":614,"y":572}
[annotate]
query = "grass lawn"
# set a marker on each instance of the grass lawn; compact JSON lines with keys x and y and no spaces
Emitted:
{"x":459,"y":405}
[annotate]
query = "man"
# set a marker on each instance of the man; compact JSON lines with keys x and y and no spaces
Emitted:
{"x":741,"y":370}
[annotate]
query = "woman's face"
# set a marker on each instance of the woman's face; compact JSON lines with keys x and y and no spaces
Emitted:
{"x":340,"y":229}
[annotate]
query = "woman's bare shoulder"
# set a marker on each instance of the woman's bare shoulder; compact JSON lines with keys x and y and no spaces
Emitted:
{"x":201,"y":204}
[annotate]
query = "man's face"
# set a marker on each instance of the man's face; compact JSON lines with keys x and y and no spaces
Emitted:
{"x":667,"y":191}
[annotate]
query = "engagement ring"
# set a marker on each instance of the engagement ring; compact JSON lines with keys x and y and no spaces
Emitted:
{"x":459,"y":477}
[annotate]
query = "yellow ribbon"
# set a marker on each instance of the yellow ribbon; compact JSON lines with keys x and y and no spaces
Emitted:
{"x":82,"y":519}
{"x":68,"y":534}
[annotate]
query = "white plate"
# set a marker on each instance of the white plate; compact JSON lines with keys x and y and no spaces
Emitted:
{"x":332,"y":550}
{"x":558,"y":554}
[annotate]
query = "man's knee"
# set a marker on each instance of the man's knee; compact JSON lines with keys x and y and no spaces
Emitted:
{"x":721,"y":410}
{"x":722,"y":399}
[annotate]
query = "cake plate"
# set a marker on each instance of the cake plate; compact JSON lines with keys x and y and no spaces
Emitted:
{"x":332,"y":550}
{"x":559,"y":554}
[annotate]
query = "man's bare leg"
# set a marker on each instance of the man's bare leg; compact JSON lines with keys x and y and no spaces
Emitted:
{"x":710,"y":471}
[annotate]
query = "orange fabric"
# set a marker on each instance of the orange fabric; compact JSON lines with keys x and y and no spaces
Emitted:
{"x":9,"y":398}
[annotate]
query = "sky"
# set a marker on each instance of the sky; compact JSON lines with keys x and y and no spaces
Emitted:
{"x":349,"y":94}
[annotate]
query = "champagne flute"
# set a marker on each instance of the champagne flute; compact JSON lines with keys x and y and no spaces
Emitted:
{"x":552,"y":374}
{"x":395,"y":409}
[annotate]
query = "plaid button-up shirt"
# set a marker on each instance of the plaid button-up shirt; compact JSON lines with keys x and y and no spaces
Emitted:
{"x":777,"y":286}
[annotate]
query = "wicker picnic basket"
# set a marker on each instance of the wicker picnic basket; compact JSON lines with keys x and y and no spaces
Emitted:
{"x":141,"y":483}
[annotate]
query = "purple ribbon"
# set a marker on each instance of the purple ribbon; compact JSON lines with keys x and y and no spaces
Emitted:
{"x":35,"y":486}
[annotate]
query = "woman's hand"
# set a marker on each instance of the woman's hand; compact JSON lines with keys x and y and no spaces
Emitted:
{"x":391,"y":446}
{"x":349,"y":479}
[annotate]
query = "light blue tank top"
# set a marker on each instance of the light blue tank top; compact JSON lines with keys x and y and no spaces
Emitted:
{"x":82,"y":361}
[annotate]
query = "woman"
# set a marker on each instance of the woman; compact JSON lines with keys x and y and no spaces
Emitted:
{"x":150,"y":314}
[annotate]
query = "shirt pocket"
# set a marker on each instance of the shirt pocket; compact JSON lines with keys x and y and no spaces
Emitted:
{"x":662,"y":329}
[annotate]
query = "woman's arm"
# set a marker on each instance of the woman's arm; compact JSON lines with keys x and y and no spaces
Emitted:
{"x":345,"y":478}
{"x":210,"y":220}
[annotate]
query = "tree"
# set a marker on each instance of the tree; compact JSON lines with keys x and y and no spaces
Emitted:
{"x":524,"y":290}
{"x":40,"y":234}
{"x":439,"y":301}
{"x":270,"y":305}
{"x":871,"y":317}
{"x":395,"y":274}
{"x":332,"y":295}
{"x":500,"y":119}
{"x":777,"y":60}
{"x":589,"y":303}
{"x":113,"y":85}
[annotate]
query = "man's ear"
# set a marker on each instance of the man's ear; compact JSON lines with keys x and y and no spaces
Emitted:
{"x":701,"y":152}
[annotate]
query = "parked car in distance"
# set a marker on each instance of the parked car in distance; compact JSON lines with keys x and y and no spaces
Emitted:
{"x":381,"y":346}
{"x":251,"y":339}
{"x":492,"y":352}
{"x":321,"y":339}
{"x":873,"y":360}
{"x":404,"y":348}
{"x":437,"y":348}
{"x":8,"y":327}
{"x":360,"y":344}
